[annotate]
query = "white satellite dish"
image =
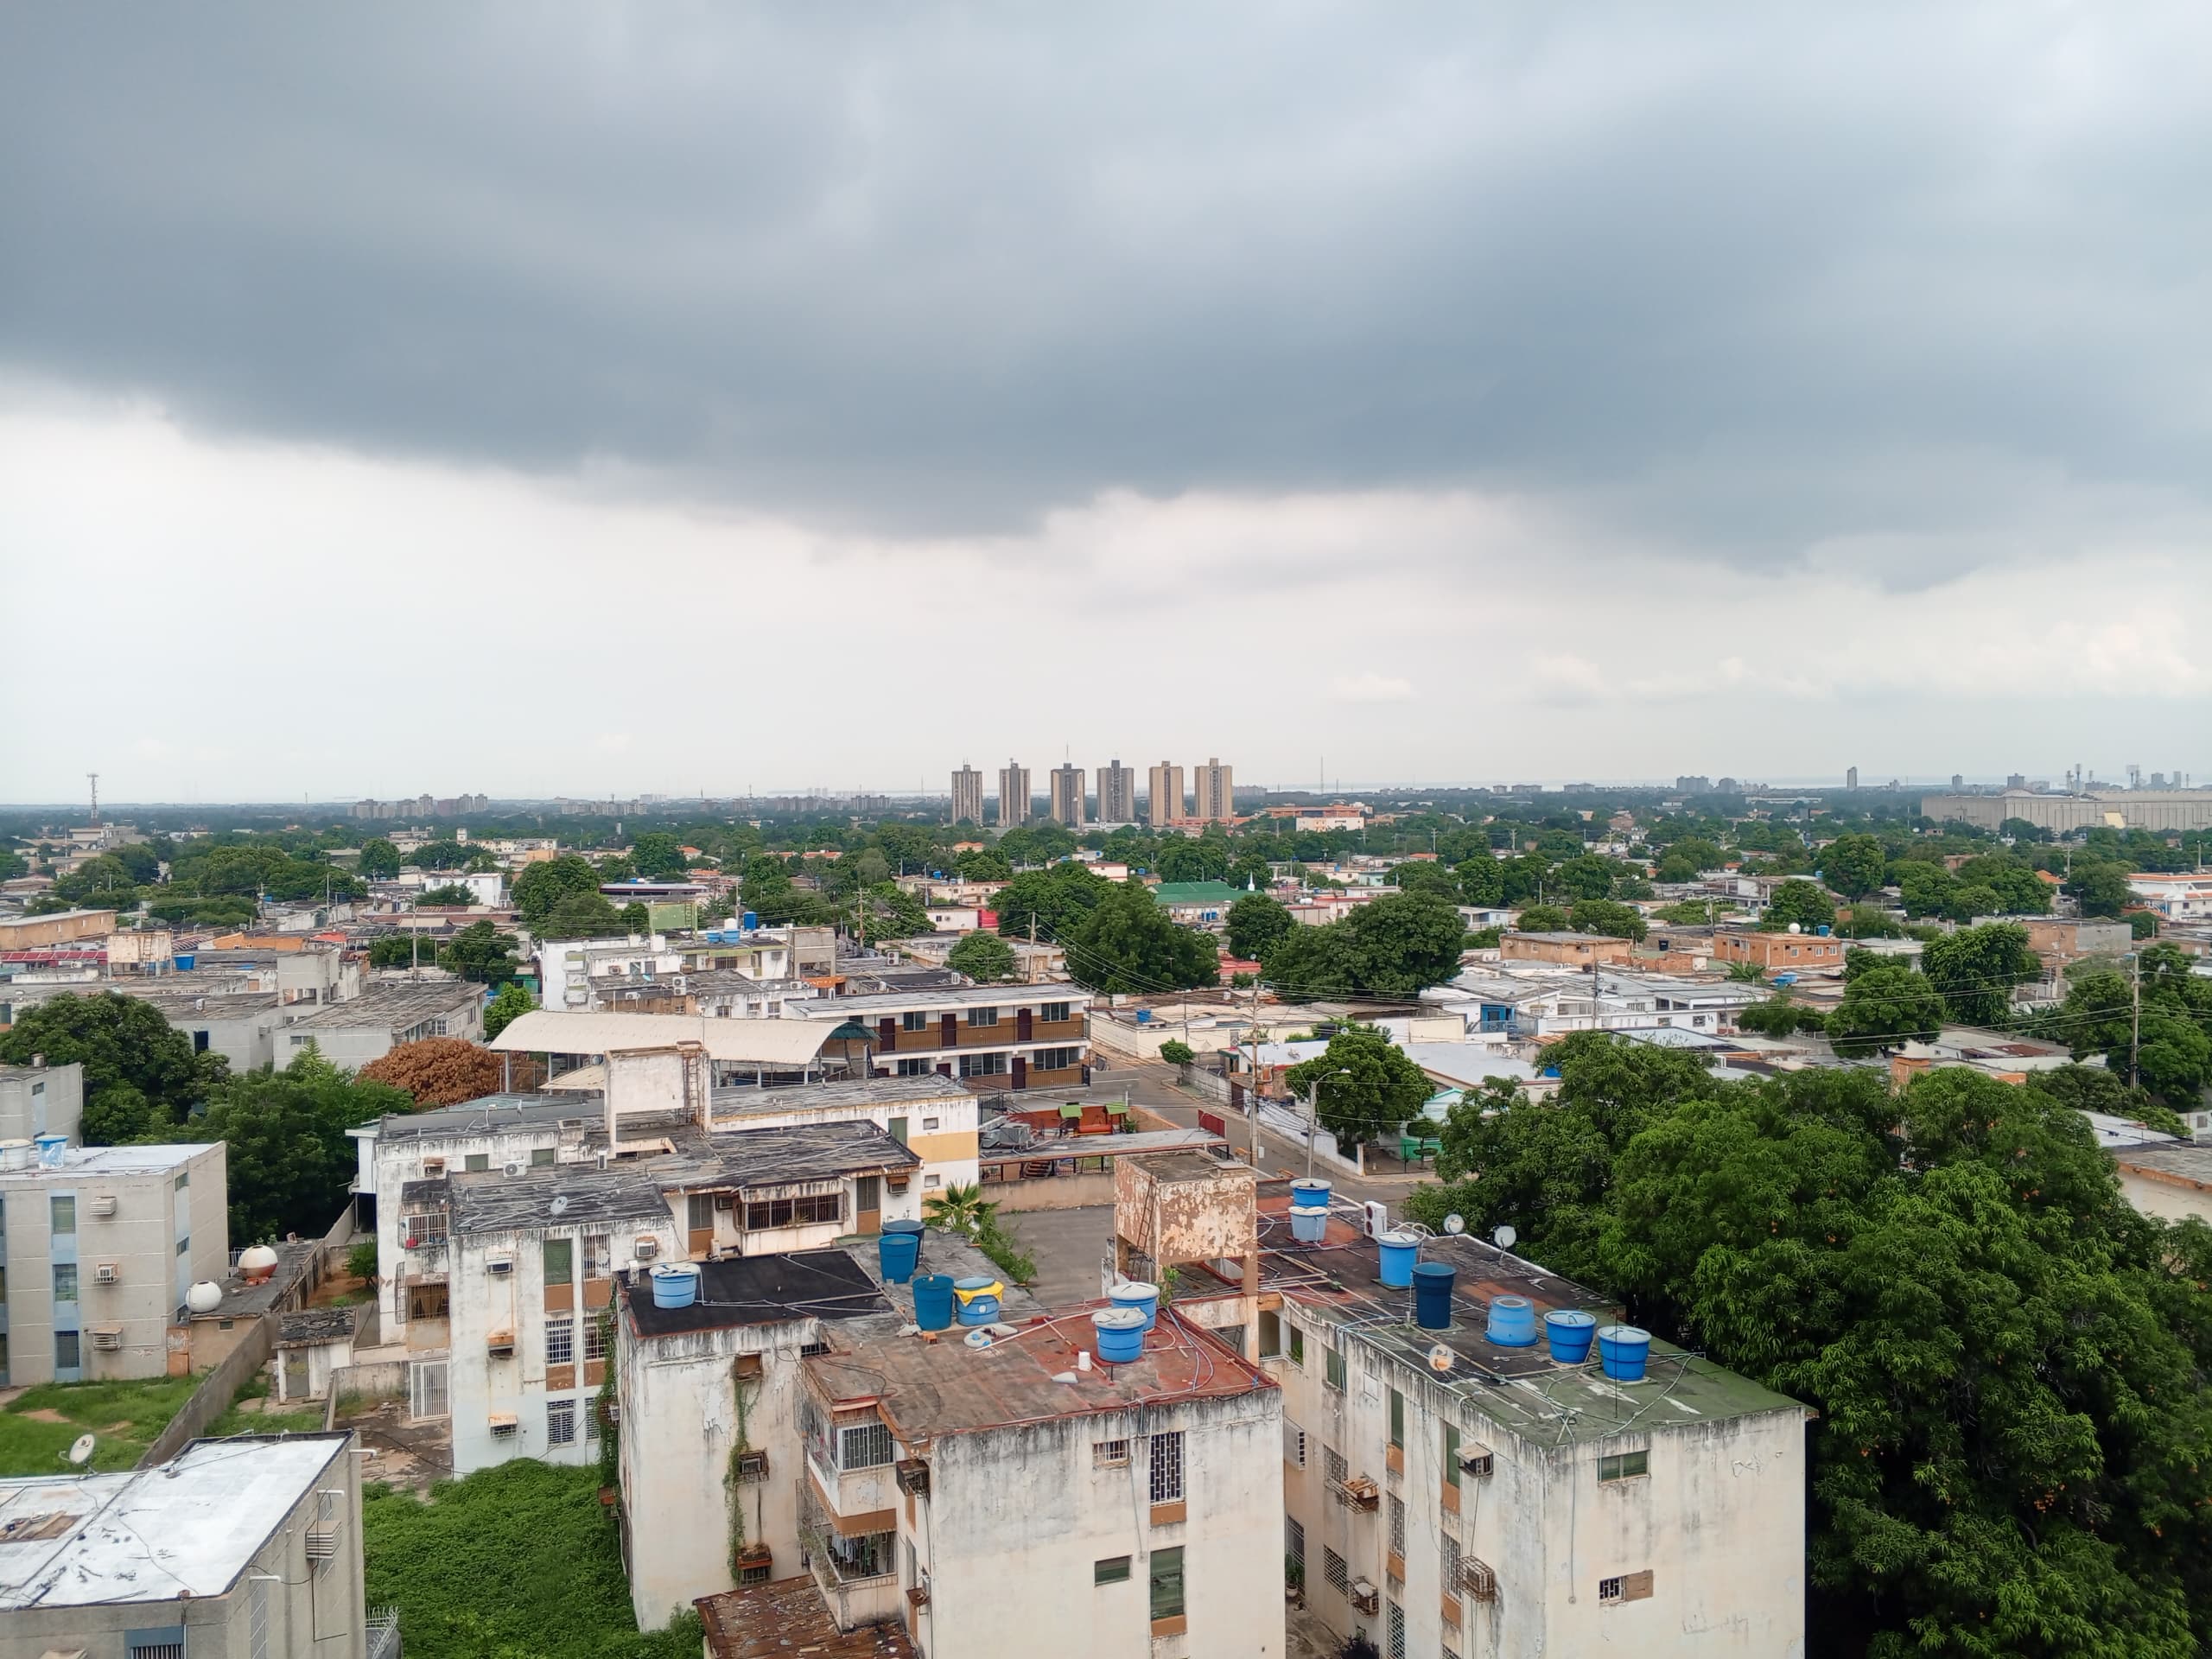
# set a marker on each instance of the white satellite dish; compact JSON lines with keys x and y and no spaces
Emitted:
{"x":1504,"y":1238}
{"x":560,"y":1203}
{"x":1441,"y":1357}
{"x":1455,"y":1223}
{"x":81,"y":1451}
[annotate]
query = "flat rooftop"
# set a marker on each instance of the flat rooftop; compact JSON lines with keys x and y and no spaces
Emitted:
{"x":962,"y":997}
{"x":396,"y":1006}
{"x":806,"y":1097}
{"x":925,"y":1389}
{"x":118,"y":1160}
{"x":762,"y":1290}
{"x":492,"y":1115}
{"x":1339,"y":1281}
{"x":185,"y":1530}
{"x":786,"y":1619}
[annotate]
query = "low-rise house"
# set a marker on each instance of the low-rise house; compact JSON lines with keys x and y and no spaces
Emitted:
{"x":2182,"y":899}
{"x":1567,"y":949}
{"x":997,"y":1036}
{"x":247,"y":1546}
{"x":352,"y":1033}
{"x":1779,"y":953}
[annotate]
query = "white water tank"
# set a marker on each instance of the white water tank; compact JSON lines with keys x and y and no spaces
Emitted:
{"x":257,"y":1263}
{"x":204,"y":1297}
{"x":15,"y":1154}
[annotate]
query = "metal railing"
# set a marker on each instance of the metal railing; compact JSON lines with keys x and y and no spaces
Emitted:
{"x":381,"y":1630}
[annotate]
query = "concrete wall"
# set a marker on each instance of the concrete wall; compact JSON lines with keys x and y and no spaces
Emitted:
{"x":42,"y":1100}
{"x":1052,"y":1193}
{"x":2165,"y":1196}
{"x":216,"y":1390}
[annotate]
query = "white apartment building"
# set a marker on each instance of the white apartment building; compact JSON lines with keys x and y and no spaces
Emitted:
{"x":98,"y":1247}
{"x":989,"y":1036}
{"x":352,"y":1033}
{"x":41,"y":1099}
{"x":248,"y":1547}
{"x":939,"y":1121}
{"x":567,"y":968}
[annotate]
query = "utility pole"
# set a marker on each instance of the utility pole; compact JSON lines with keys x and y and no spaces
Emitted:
{"x":2135,"y":1033}
{"x":1032,"y":963}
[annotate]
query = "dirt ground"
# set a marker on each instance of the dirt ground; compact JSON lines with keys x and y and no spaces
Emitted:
{"x":413,"y":1456}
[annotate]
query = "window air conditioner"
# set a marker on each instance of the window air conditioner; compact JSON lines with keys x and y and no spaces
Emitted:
{"x":498,"y":1266}
{"x":322,"y":1543}
{"x":647,"y":1247}
{"x":104,"y":1204}
{"x":107,"y":1341}
{"x":106,"y":1273}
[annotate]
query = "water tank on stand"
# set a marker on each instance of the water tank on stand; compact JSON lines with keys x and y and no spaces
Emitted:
{"x":1120,"y":1334}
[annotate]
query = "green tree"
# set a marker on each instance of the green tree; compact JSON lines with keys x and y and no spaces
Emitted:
{"x":1604,"y":916}
{"x":1973,"y":971}
{"x":2101,"y":889}
{"x":1482,"y":880}
{"x":1251,"y":872}
{"x":888,"y":911}
{"x":1177,"y":1053}
{"x":447,"y":854}
{"x":2143,"y":925}
{"x":1689,"y":858}
{"x":1126,"y":942}
{"x":1425,"y":876}
{"x":583,"y":916}
{"x":141,"y":1074}
{"x":617,"y":867}
{"x":960,"y":1208}
{"x":1543,"y":919}
{"x":1192,"y":859}
{"x":1256,"y":922}
{"x":984,"y":957}
{"x":1588,"y":876}
{"x":509,"y":1004}
{"x":1393,"y":947}
{"x":659,"y":855}
{"x":1925,"y":888}
{"x":480,"y":952}
{"x":541,"y":887}
{"x":289,"y":1159}
{"x":451,"y":893}
{"x":1882,"y":1007}
{"x":379,"y":860}
{"x":1800,"y":902}
{"x":982,"y":864}
{"x":1057,"y":898}
{"x":1383,"y":1090}
{"x":1853,"y":864}
{"x":636,"y":918}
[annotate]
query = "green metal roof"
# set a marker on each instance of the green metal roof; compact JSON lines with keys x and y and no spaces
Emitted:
{"x":1196,"y":892}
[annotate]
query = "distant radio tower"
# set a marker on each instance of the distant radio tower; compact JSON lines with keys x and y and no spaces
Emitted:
{"x":95,"y":778}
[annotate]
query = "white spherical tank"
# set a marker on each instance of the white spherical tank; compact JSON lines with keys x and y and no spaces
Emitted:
{"x":257,"y":1262}
{"x":204,"y":1297}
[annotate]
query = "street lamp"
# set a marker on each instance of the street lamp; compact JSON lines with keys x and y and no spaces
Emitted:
{"x":1313,"y":1111}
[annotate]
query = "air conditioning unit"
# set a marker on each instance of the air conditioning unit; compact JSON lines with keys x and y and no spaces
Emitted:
{"x":645,"y":1248}
{"x":322,"y":1543}
{"x":104,"y":1204}
{"x":1366,"y":1597}
{"x":919,"y":1596}
{"x":107,"y":1341}
{"x":498,"y":1266}
{"x":511,"y":1168}
{"x":500,"y":1345}
{"x":1478,"y":1579}
{"x":723,"y":1201}
{"x":1476,"y":1460}
{"x":106,"y":1273}
{"x":1378,"y":1217}
{"x":503,"y":1428}
{"x":913,"y":1475}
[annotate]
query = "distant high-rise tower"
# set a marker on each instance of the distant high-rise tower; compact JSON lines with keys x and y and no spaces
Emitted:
{"x":968,"y":796}
{"x":1851,"y":778}
{"x":1117,"y":793}
{"x":1014,"y":795}
{"x":1214,"y":792}
{"x":1164,"y":805}
{"x":1958,"y":780}
{"x":1067,"y":796}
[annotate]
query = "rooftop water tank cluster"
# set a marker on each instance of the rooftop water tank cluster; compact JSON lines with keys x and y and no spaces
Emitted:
{"x":1309,"y":1209}
{"x":898,"y":1251}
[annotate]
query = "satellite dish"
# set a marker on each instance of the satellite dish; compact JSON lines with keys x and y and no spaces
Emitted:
{"x":81,"y":1451}
{"x":1441,"y":1357}
{"x":1455,"y":1223}
{"x":560,"y":1203}
{"x":1504,"y":1238}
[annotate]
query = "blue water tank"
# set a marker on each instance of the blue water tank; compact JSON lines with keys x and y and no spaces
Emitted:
{"x":1144,"y":1016}
{"x":1310,"y":1190}
{"x":976,"y":1300}
{"x":750,"y":920}
{"x":1400,"y":1252}
{"x":1432,"y":1295}
{"x":1569,"y":1330}
{"x":1309,"y":1222}
{"x":899,"y":1249}
{"x":1142,"y":1297}
{"x":1512,"y":1322}
{"x":675,"y":1284}
{"x":934,"y":1300}
{"x":1120,"y":1334}
{"x":1823,"y":929}
{"x":1622,"y":1351}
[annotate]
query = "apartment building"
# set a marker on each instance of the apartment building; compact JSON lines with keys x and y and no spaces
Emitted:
{"x":933,"y":1117}
{"x":1779,"y":953}
{"x":41,"y":1099}
{"x":1014,"y":801}
{"x":241,"y":1027}
{"x":1447,"y":1491}
{"x":1214,"y":792}
{"x":1067,"y":801}
{"x":248,"y":1547}
{"x":1164,"y":803}
{"x":1117,"y":793}
{"x":572,"y":972}
{"x":1569,"y":950}
{"x":351,"y":1034}
{"x":968,"y":796}
{"x":989,"y":1036}
{"x":98,"y":1247}
{"x":2185,"y":898}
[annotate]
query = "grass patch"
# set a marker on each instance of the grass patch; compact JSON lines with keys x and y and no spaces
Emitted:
{"x":305,"y":1420}
{"x":126,"y":1418}
{"x":519,"y":1558}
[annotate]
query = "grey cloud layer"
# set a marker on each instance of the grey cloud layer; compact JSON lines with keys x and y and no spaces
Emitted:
{"x":1741,"y":281}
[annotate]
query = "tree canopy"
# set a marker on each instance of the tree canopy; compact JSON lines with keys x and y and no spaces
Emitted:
{"x":1057,"y":898}
{"x":984,"y":957}
{"x":1853,"y":864}
{"x":509,"y":1004}
{"x":584,"y":916}
{"x":542,"y":885}
{"x":1802,"y":902}
{"x":439,"y":1070}
{"x":1393,"y":947}
{"x":141,"y":1074}
{"x":1383,"y":1090}
{"x":1973,"y":971}
{"x":1126,"y":942}
{"x":287,"y":1157}
{"x":1883,"y":1005}
{"x":1256,"y":923}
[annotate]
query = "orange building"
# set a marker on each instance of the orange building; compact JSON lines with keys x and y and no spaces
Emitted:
{"x":1780,"y":952}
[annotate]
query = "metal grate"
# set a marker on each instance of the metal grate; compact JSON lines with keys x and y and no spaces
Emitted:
{"x":865,"y":1445}
{"x":1395,"y":1629}
{"x":1109,"y":1454}
{"x":1397,"y":1526}
{"x":1293,"y":1541}
{"x":1450,"y":1565}
{"x":560,"y":1422}
{"x":1333,"y":1465}
{"x":1167,"y":1467}
{"x":1333,"y":1569}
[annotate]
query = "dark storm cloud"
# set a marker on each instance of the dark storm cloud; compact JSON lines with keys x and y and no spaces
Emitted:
{"x":1743,"y":280}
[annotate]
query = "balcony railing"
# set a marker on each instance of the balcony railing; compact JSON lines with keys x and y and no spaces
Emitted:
{"x":382,"y":1632}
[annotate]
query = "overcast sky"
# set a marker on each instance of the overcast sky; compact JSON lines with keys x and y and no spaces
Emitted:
{"x":665,"y":398}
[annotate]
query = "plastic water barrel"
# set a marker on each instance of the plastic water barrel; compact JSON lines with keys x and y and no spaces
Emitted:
{"x":1142,"y":1297}
{"x":1400,"y":1250}
{"x":1621,"y":1350}
{"x":934,"y":1300}
{"x":1309,"y":1189}
{"x":1433,"y":1283}
{"x":675,"y":1284}
{"x":1309,"y":1222}
{"x":1570,"y":1331}
{"x":977,"y":1300}
{"x":1512,"y":1322}
{"x":899,"y":1249}
{"x":1120,"y":1334}
{"x":50,"y":1148}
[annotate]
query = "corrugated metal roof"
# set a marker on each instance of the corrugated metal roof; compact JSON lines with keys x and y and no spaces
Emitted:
{"x":749,"y":1042}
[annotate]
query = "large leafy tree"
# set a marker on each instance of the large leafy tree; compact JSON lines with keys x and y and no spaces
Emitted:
{"x":1925,"y":888}
{"x":542,"y":885}
{"x":141,"y":1074}
{"x":1973,"y":971}
{"x":1853,"y":864}
{"x":480,"y":952}
{"x":2099,"y":888}
{"x":439,"y":1070}
{"x":658,"y":854}
{"x":584,"y":916}
{"x":1882,"y":1006}
{"x":1126,"y":942}
{"x":287,"y":1157}
{"x":982,"y":864}
{"x":1804,"y":903}
{"x":1482,"y":880}
{"x":1367,"y":1086}
{"x":1055,"y":898}
{"x":1604,"y":917}
{"x":1589,"y":876}
{"x":1188,"y":858}
{"x":511,"y":1002}
{"x":984,"y":957}
{"x":1393,"y":947}
{"x":1256,"y":923}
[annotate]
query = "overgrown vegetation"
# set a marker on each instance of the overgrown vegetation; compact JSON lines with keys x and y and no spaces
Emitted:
{"x":124,"y":1418}
{"x":514,"y":1561}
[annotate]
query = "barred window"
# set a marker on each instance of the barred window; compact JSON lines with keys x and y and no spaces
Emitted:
{"x":1167,"y":1467}
{"x":560,"y":1342}
{"x":1333,"y":1569}
{"x":1333,"y":1464}
{"x":1293,"y":1541}
{"x":595,"y":1339}
{"x":1397,"y":1525}
{"x":1450,"y":1565}
{"x":865,"y":1446}
{"x":794,"y":1212}
{"x":1395,"y":1632}
{"x":1109,"y":1454}
{"x":1609,"y":1589}
{"x":560,"y":1422}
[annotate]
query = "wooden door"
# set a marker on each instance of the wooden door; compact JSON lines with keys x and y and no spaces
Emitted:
{"x":1021,"y":1027}
{"x":1020,"y":1065}
{"x":867,"y":1204}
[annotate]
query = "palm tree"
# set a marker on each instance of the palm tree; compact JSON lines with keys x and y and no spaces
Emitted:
{"x":959,"y":1210}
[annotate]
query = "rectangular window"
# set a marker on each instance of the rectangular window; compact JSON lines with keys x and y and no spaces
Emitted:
{"x":1335,"y":1368}
{"x":914,"y":1019}
{"x":699,"y":1211}
{"x":865,"y":1446}
{"x":1332,"y":1571}
{"x":1053,"y":1012}
{"x":1109,"y":1454}
{"x":599,"y":1256}
{"x":200,"y":1042}
{"x":1167,"y":1470}
{"x":560,"y":1342}
{"x":1168,"y":1583}
{"x":1394,"y":1632}
{"x":1609,"y":1589}
{"x":591,"y":1421}
{"x":1397,"y":1418}
{"x":930,"y":1125}
{"x":476,"y":1160}
{"x":794,"y":1212}
{"x":1270,"y":1336}
{"x":1450,"y":1454}
{"x":65,"y":1281}
{"x":66,"y":1354}
{"x":1297,"y":1346}
{"x":982,"y":1016}
{"x":559,"y":1260}
{"x":540,"y":1157}
{"x":63,"y":1209}
{"x":982,"y":1065}
{"x":1334,"y":1463}
{"x":1397,"y":1526}
{"x":184,"y":1246}
{"x":1451,"y":1554}
{"x":1115,"y":1569}
{"x":595,"y":1338}
{"x":1626,"y":1465}
{"x":896,"y":1128}
{"x":914,"y":1068}
{"x":155,"y":1645}
{"x":1056,"y":1059}
{"x":183,"y":1181}
{"x":1293,"y":1541}
{"x":560,"y":1422}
